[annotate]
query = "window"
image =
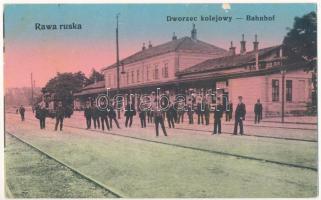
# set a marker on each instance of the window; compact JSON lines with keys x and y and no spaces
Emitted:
{"x":275,"y":90}
{"x":288,"y":86}
{"x":156,"y":74}
{"x":137,"y":75}
{"x":166,"y":71}
{"x":132,"y":79}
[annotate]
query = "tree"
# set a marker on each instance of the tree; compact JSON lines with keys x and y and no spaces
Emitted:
{"x":95,"y":76}
{"x":301,"y":41}
{"x":64,"y":85}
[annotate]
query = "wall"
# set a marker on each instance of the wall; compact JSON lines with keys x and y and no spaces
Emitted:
{"x":252,"y":88}
{"x":301,"y":92}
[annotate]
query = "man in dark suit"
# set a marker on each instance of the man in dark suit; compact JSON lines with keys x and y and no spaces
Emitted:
{"x":218,"y":113}
{"x":60,"y":115}
{"x":142,"y":116}
{"x":88,"y":115}
{"x":200,"y":114}
{"x":158,"y":118}
{"x":258,"y":108}
{"x":129,"y":113}
{"x":22,"y":112}
{"x":104,"y":115}
{"x":240,"y":112}
{"x":95,"y":115}
{"x":190,"y":113}
{"x":41,"y":114}
{"x":112,"y":116}
{"x":170,"y":116}
{"x":180,"y":113}
{"x":207,"y":111}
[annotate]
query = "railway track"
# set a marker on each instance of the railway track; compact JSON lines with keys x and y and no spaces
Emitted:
{"x":197,"y":149}
{"x":117,"y":194}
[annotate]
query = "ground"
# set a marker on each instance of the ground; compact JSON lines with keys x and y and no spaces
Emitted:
{"x":274,"y":160}
{"x":32,"y":175}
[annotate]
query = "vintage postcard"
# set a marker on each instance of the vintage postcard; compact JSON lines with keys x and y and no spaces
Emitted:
{"x":208,"y":100}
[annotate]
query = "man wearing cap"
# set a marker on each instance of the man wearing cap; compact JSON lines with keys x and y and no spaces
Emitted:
{"x":240,"y":112}
{"x":95,"y":115}
{"x":22,"y":112}
{"x":258,"y":111}
{"x":158,"y":118}
{"x":218,"y":113}
{"x":60,"y":115}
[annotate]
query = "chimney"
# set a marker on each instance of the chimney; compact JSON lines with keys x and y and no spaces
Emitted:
{"x":194,"y":33}
{"x":232,"y":50}
{"x":255,"y":44}
{"x":174,"y":36}
{"x":243,"y":48}
{"x":143,"y":48}
{"x":150,"y":44}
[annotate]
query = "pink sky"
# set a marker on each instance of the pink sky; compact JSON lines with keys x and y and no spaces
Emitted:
{"x":44,"y":53}
{"x":45,"y":60}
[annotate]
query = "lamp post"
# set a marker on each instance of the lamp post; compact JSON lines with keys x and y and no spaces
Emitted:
{"x":117,"y":63}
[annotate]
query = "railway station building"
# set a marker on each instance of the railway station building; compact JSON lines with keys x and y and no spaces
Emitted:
{"x":190,"y":66}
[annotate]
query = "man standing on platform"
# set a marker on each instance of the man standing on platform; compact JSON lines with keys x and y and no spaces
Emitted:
{"x":142,"y":116}
{"x":207,"y":113}
{"x":112,"y":116}
{"x":158,"y":118}
{"x":88,"y":115}
{"x":200,"y":114}
{"x":240,"y":112}
{"x":190,"y":113}
{"x":258,"y":108}
{"x":218,"y":113}
{"x":104,"y":115}
{"x":130,"y":112}
{"x":22,"y":112}
{"x":95,"y":115}
{"x":170,"y":116}
{"x":60,"y":115}
{"x":41,"y":112}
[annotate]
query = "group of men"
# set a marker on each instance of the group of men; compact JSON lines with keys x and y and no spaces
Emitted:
{"x":105,"y":114}
{"x":42,"y":112}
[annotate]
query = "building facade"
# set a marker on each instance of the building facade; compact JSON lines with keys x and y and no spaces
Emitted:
{"x":159,"y":64}
{"x":190,"y":66}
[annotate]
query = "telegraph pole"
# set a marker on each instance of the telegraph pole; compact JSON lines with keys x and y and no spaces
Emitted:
{"x":117,"y":61}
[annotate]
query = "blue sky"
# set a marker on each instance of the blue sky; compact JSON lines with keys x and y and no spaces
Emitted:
{"x":138,"y":23}
{"x":141,"y":22}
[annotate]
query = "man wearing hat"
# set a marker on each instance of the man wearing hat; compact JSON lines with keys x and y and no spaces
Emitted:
{"x":218,"y":113}
{"x":60,"y":115}
{"x":240,"y":112}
